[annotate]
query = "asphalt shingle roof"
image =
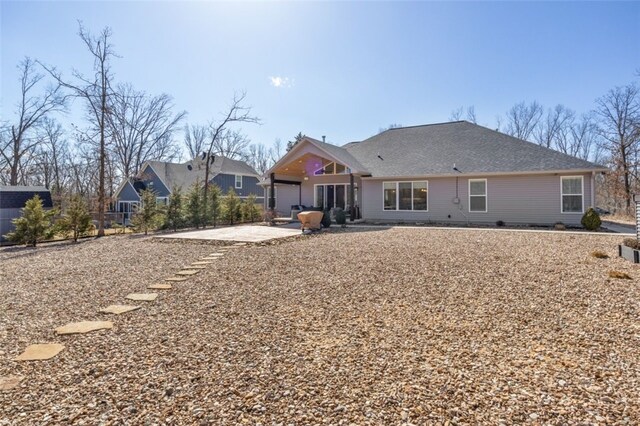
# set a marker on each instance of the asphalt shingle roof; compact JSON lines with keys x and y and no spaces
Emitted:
{"x":434,"y":149}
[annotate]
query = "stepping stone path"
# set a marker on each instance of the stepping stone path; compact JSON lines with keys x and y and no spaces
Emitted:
{"x":84,"y":327}
{"x":119,"y":309}
{"x":216,"y":255}
{"x":201,"y":262}
{"x":40,"y":351}
{"x":159,"y":286}
{"x":9,"y":382}
{"x":142,"y":297}
{"x":176,"y":279}
{"x":195,"y":267}
{"x":188,"y":272}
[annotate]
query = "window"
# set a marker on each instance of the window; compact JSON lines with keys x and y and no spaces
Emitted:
{"x":572,"y":194}
{"x":238,"y":181}
{"x":410,"y":196}
{"x":162,"y":201}
{"x":390,"y":195}
{"x":332,"y":169}
{"x":333,"y":195}
{"x":478,"y":195}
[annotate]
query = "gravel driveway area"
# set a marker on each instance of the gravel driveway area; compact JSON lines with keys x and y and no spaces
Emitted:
{"x":363,"y":326}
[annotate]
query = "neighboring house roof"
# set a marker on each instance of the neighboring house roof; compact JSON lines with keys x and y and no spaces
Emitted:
{"x":15,"y":197}
{"x":433,"y":149}
{"x":184,"y":175}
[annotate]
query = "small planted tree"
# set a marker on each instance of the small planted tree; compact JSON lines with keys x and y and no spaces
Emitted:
{"x":231,"y":207}
{"x":215,"y":205}
{"x":195,"y":214}
{"x":76,"y":221}
{"x":173,"y":216}
{"x":341,"y":217}
{"x":148,"y":215}
{"x":250,"y":212}
{"x":591,"y":220}
{"x":35,"y":224}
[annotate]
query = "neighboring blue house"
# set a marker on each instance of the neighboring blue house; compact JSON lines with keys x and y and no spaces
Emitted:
{"x":162,"y":177}
{"x":13,"y":200}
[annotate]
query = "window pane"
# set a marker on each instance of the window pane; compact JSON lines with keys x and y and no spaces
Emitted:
{"x":478,"y":187}
{"x":478,"y":204}
{"x":339,"y":169}
{"x":328,"y":169}
{"x":572,"y":186}
{"x":320,"y":196}
{"x":389,"y":196}
{"x":420,"y":195}
{"x":572,"y":203}
{"x":405,"y":195}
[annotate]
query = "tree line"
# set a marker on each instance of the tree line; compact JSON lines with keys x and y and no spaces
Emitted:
{"x":121,"y":128}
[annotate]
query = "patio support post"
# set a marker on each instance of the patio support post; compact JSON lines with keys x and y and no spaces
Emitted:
{"x":272,"y":198}
{"x":352,"y":208}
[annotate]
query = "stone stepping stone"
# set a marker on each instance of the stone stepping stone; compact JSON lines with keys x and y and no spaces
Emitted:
{"x":209,"y":259}
{"x":216,"y":255}
{"x":239,"y":244}
{"x":160,"y":286}
{"x":195,"y":267}
{"x":119,"y":309}
{"x":84,"y":327}
{"x":202,"y":262}
{"x":188,"y":272}
{"x":9,"y":382}
{"x":142,"y":297}
{"x":40,"y":351}
{"x":176,"y":279}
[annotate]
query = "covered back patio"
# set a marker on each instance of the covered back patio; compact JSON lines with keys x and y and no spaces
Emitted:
{"x":316,"y":175}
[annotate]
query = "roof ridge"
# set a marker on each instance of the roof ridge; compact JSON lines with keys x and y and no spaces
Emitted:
{"x":426,"y":125}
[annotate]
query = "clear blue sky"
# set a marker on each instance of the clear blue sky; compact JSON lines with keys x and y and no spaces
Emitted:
{"x":340,"y":69}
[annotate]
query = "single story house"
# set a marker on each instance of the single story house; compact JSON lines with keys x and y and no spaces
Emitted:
{"x":456,"y":172}
{"x":13,"y":200}
{"x":162,"y":177}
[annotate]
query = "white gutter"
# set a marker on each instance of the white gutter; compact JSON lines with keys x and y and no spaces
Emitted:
{"x":480,"y":174}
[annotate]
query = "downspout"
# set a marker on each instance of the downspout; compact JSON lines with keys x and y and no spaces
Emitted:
{"x":593,"y":189}
{"x":272,"y":198}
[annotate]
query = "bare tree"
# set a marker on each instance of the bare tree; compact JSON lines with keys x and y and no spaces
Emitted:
{"x":30,"y":111}
{"x":458,"y":113}
{"x":380,"y":130}
{"x":54,"y":155}
{"x":141,"y":128}
{"x":522,"y":119}
{"x":195,"y":138}
{"x":556,"y":123}
{"x":260,"y":157}
{"x":471,"y":115}
{"x":96,"y":92}
{"x":276,"y":152}
{"x":219,"y":130}
{"x":619,"y":125}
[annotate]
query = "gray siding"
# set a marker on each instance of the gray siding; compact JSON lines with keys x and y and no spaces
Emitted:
{"x":523,"y":199}
{"x":128,"y":193}
{"x":149,"y":176}
{"x":249,"y":185}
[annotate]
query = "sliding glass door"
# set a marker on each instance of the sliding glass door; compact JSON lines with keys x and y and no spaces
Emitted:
{"x":333,"y":195}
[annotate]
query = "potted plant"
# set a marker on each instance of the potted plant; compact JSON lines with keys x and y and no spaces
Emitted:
{"x":630,"y":250}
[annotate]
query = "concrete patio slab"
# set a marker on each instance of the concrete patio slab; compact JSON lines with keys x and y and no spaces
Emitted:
{"x":142,"y":297}
{"x":40,"y":352}
{"x":241,"y":233}
{"x":83,"y":327}
{"x":119,"y":309}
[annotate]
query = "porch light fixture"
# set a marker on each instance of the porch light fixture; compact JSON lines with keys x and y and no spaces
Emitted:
{"x":306,"y":178}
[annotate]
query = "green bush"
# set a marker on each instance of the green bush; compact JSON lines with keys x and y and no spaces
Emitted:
{"x":174,"y":218}
{"x":250,"y":212}
{"x":76,"y":221}
{"x":148,"y":216}
{"x":231,"y":207}
{"x":35,"y":225}
{"x":341,"y":217}
{"x":591,"y":220}
{"x":326,"y":219}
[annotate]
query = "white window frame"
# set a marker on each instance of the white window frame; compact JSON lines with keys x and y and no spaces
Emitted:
{"x":562,"y":194}
{"x":163,"y":201}
{"x":486,"y":196}
{"x":236,"y":181}
{"x":397,"y":209}
{"x":324,"y":196}
{"x":347,"y":170}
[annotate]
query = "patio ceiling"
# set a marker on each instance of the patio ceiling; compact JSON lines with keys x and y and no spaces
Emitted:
{"x":302,"y":166}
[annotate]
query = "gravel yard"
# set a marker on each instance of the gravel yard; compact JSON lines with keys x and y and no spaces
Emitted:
{"x":380,"y":326}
